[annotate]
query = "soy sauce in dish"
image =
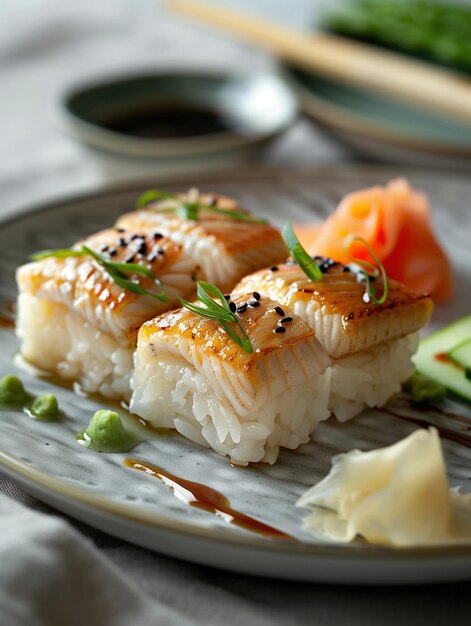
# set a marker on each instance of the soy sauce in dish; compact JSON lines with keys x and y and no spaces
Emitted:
{"x":170,"y":122}
{"x":204,"y":497}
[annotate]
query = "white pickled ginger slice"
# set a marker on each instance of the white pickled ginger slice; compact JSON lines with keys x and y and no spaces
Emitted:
{"x":397,"y":496}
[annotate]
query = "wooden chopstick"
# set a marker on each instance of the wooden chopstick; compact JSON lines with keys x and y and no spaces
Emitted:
{"x":417,"y":82}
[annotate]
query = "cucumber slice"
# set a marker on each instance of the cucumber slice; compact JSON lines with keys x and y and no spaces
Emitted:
{"x":433,"y":357}
{"x":462,"y":356}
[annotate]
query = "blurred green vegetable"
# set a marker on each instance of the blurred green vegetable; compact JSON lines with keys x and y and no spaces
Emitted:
{"x":424,"y":390}
{"x":432,"y":30}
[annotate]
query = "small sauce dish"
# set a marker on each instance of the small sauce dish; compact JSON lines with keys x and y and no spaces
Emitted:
{"x":175,"y":114}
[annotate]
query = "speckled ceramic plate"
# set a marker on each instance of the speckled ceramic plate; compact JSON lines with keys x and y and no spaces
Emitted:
{"x":46,"y":460}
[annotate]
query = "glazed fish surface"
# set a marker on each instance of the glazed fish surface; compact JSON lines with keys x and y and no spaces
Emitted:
{"x":192,"y":376}
{"x":226,"y":241}
{"x":76,"y":321}
{"x":370,"y":345}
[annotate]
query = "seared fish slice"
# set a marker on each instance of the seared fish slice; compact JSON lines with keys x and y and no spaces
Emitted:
{"x":370,"y":346}
{"x":190,"y":375}
{"x":74,"y":320}
{"x":335,"y":306}
{"x":226,"y":249}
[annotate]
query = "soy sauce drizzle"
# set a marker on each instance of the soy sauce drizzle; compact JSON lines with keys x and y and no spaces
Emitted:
{"x":202,"y":497}
{"x":7,"y":315}
{"x":445,"y":433}
{"x":6,"y":321}
{"x":436,"y":411}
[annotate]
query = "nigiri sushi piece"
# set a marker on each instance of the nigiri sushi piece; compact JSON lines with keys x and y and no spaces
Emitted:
{"x":370,"y":345}
{"x":226,"y":241}
{"x":76,"y":321}
{"x":192,"y":376}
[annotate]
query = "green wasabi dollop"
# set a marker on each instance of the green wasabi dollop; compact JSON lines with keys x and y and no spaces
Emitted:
{"x":424,"y":390}
{"x":106,"y":433}
{"x":12,"y":392}
{"x":45,"y":408}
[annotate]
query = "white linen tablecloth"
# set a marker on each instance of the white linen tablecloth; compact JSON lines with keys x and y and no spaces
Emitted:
{"x":54,"y":570}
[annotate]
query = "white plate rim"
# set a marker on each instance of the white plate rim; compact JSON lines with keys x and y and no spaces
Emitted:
{"x":69,"y":492}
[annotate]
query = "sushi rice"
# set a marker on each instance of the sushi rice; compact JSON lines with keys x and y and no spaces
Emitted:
{"x":56,"y":338}
{"x":191,"y":376}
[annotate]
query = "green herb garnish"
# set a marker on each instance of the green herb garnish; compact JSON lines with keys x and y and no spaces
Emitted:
{"x":300,"y":255}
{"x":153,"y":195}
{"x":190,"y":210}
{"x":221,"y":313}
{"x":366,"y":265}
{"x":117,"y":271}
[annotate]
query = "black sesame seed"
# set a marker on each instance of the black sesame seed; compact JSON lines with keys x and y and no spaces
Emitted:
{"x":254,"y":303}
{"x":286,"y":320}
{"x":135,"y":237}
{"x":256,"y":295}
{"x":326,"y":265}
{"x":142,"y":248}
{"x":242,"y":308}
{"x":122,"y":242}
{"x":275,"y":268}
{"x":104,"y":248}
{"x":152,"y":256}
{"x":160,"y":250}
{"x":227,"y":296}
{"x":112,"y":251}
{"x":130,"y":259}
{"x":121,"y":230}
{"x":279,"y":329}
{"x":232,"y":306}
{"x":280,"y":311}
{"x":157,"y":236}
{"x":345,"y":268}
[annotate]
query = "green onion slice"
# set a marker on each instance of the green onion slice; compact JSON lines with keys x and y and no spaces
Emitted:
{"x":365,"y":266}
{"x":300,"y":255}
{"x":190,"y":210}
{"x":220,"y":313}
{"x":153,"y":195}
{"x":117,"y":271}
{"x":59,"y":254}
